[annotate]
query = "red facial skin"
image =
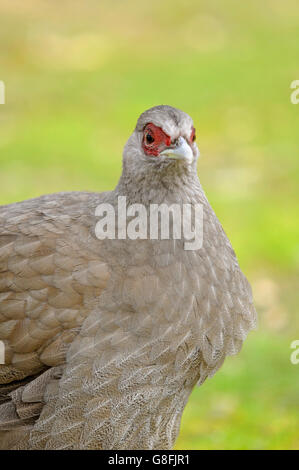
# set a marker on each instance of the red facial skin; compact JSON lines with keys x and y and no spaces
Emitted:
{"x":160,"y":140}
{"x":192,"y":136}
{"x":155,"y":140}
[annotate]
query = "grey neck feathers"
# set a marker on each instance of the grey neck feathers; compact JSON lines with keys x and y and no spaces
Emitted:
{"x":174,"y":182}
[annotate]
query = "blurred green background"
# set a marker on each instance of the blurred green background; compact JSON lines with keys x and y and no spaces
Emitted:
{"x":77,"y":76}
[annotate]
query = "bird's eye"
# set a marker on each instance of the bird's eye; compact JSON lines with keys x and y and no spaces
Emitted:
{"x":154,"y":140}
{"x":149,"y":139}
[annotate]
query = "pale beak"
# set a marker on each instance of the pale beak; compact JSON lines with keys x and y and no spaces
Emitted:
{"x":181,"y":151}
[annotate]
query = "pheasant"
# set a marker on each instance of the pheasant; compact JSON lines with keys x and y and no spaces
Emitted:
{"x":105,"y":338}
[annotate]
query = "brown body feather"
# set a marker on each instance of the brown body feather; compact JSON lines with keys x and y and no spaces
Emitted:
{"x":104,"y":340}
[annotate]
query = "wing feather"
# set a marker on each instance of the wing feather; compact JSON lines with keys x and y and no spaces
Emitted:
{"x":51,"y":272}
